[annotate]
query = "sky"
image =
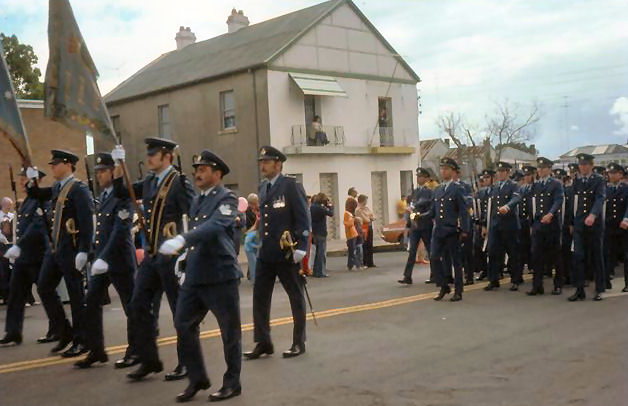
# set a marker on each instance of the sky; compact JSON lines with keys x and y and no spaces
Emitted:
{"x":569,"y":57}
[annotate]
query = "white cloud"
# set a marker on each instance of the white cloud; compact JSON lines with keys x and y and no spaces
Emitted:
{"x":620,"y":111}
{"x":574,"y":127}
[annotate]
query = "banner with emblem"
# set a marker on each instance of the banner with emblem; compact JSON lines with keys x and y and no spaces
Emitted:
{"x":71,"y":90}
{"x":11,"y":125}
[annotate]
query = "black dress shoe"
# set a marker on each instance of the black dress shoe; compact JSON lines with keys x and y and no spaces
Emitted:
{"x":579,"y":295}
{"x":625,"y":289}
{"x":536,"y":291}
{"x":48,"y":338}
{"x":597,"y":297}
{"x":126,"y":362}
{"x":74,"y":351}
{"x":557,"y":291}
{"x":429,"y":281}
{"x":405,"y":281}
{"x":609,"y":285}
{"x":180,"y":372}
{"x":145,"y":369}
{"x":259,"y":350}
{"x":191,"y":391}
{"x":225,"y":393}
{"x":91,"y":359}
{"x":468,"y":282}
{"x":63,"y":342}
{"x":456,"y":297}
{"x":294,"y":351}
{"x":514,"y":287}
{"x":11,"y":338}
{"x":491,"y":286}
{"x":443,"y":291}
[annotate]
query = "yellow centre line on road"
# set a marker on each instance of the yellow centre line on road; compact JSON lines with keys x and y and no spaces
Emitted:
{"x":118,"y":349}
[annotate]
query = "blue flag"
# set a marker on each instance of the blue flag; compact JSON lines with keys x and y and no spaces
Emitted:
{"x":72,"y":96}
{"x":11,"y":125}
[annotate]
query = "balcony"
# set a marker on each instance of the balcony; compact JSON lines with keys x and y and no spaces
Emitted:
{"x":303,"y":141}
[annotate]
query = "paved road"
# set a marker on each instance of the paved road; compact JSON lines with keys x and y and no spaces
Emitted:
{"x":377,"y":343}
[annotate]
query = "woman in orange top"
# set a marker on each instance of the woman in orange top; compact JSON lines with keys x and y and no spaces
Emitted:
{"x":351,"y":233}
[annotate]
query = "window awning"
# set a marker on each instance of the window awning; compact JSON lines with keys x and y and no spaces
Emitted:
{"x":318,"y":85}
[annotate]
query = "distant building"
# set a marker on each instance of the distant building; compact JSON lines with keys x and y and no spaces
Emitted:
{"x":604,"y":154}
{"x":265,"y":83}
{"x":432,"y":151}
{"x":43,"y":135}
{"x":472,"y":159}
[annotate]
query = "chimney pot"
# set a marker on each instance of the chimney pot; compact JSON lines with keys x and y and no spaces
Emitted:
{"x":236,"y":21}
{"x":184,"y":37}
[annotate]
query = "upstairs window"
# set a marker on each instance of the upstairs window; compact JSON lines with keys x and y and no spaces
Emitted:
{"x":163,"y":116}
{"x":227,"y":110}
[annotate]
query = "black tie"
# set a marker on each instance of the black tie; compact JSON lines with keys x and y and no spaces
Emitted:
{"x":105,"y":194}
{"x":268,"y":186}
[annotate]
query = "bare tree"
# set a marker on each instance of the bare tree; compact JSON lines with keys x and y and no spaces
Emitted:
{"x":509,"y":125}
{"x":456,"y":127}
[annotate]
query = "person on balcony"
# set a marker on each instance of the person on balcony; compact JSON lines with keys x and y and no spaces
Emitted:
{"x":320,"y":137}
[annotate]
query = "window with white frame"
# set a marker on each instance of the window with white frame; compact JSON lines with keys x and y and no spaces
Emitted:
{"x":227,"y":110}
{"x":163,"y":116}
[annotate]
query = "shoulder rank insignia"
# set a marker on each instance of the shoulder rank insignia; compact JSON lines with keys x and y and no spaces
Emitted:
{"x":123,"y":214}
{"x":225,"y":210}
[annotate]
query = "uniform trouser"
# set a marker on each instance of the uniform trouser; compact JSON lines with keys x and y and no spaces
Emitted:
{"x":154,"y":274}
{"x":545,"y":243}
{"x":615,"y":243}
{"x":288,"y":274}
{"x":194,"y":302}
{"x":467,"y":257}
{"x":49,"y":277}
{"x":98,"y":285}
{"x":416,"y":236}
{"x":565,"y":257}
{"x":525,"y":244}
{"x":589,"y":239}
{"x":22,"y":279}
{"x":479,"y":254}
{"x":502,"y":242}
{"x":446,"y":247}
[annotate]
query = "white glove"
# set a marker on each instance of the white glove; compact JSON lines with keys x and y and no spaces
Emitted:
{"x":99,"y":267}
{"x":298,"y":256}
{"x":32,"y":173}
{"x":13,"y":253}
{"x":118,"y":153}
{"x":172,"y":246}
{"x":80,"y":260}
{"x":180,"y":274}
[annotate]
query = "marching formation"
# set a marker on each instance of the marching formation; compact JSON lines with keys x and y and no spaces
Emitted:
{"x":64,"y":232}
{"x":567,"y":225}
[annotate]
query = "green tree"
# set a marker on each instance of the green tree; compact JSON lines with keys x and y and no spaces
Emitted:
{"x":21,"y":60}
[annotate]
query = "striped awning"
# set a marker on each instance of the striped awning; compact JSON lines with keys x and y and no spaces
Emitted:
{"x":318,"y":85}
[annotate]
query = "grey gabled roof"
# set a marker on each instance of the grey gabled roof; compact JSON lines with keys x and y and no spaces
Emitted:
{"x":596,"y":150}
{"x":249,"y":47}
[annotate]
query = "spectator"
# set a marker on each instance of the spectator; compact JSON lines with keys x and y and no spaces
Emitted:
{"x":351,"y":233}
{"x":5,"y":269}
{"x":359,"y":242}
{"x":320,"y":210}
{"x":252,"y":212}
{"x":251,"y":245}
{"x":6,"y":209}
{"x":402,"y":207}
{"x":353,"y":192}
{"x":320,"y":137}
{"x":368,"y":217}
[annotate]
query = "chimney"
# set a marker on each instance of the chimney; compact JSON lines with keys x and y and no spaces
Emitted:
{"x":447,"y":142}
{"x":184,"y":37}
{"x":237,"y":20}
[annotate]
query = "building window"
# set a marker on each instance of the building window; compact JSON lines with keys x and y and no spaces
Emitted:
{"x":89,"y":144}
{"x":227,"y":110}
{"x":163,"y":115}
{"x":385,"y":121}
{"x":115,"y":122}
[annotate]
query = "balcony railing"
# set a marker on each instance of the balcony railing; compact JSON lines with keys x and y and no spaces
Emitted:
{"x":306,"y":136}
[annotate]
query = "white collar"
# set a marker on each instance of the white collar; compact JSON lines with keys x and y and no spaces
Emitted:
{"x":162,"y":174}
{"x":273,"y":180}
{"x":65,"y":180}
{"x":207,"y":191}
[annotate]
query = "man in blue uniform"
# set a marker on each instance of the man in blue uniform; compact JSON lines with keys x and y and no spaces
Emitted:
{"x":114,"y":263}
{"x":616,"y":222}
{"x":566,"y":255}
{"x":28,"y":253}
{"x":283,"y":212}
{"x":166,"y":196}
{"x":72,"y":230}
{"x":466,"y":245}
{"x":503,"y":229}
{"x":525,"y":215}
{"x":419,"y":221}
{"x":451,"y":225}
{"x":211,"y":278}
{"x":588,"y":227}
{"x":547,"y":200}
{"x":481,"y":234}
